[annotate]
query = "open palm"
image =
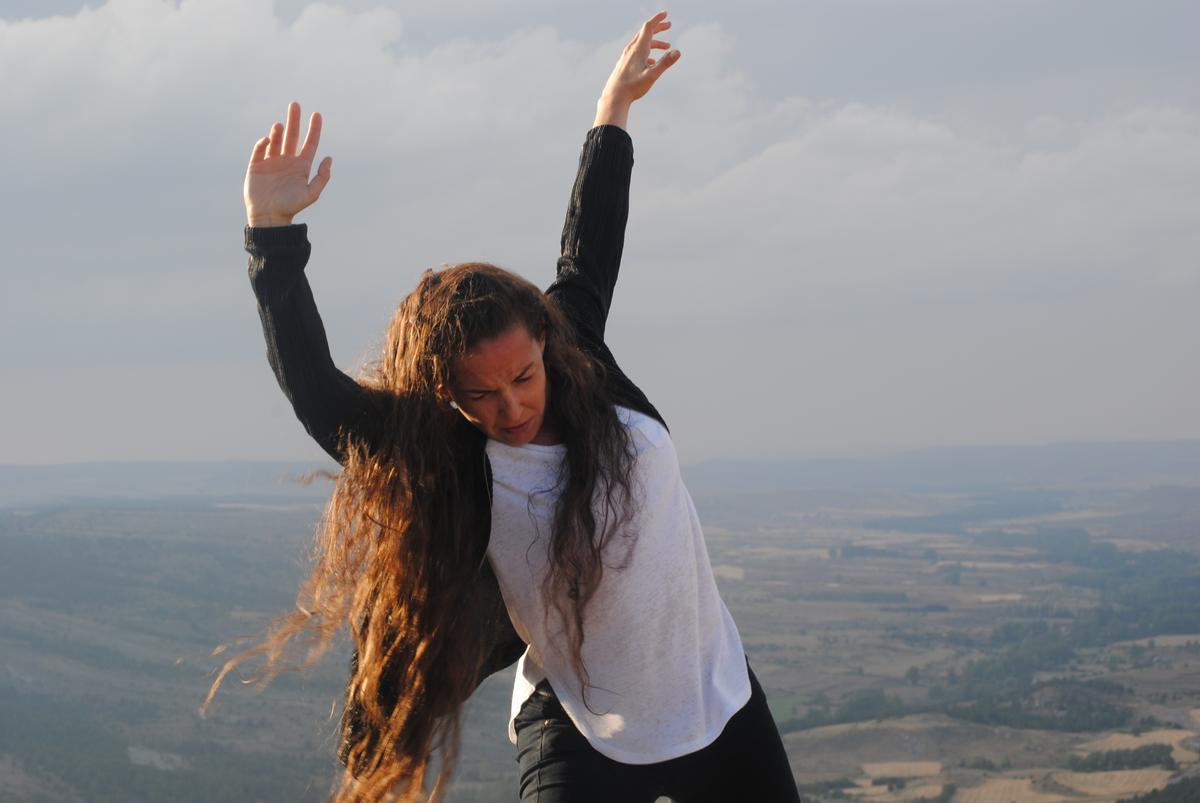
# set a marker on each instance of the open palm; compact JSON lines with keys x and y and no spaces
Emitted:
{"x":277,"y":179}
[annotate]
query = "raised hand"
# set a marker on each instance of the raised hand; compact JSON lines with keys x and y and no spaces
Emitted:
{"x":635,"y":72}
{"x":277,"y":184}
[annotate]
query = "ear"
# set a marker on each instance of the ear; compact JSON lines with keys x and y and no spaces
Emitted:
{"x":444,"y":397}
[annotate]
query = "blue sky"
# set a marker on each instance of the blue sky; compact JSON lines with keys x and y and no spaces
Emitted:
{"x":855,"y":226}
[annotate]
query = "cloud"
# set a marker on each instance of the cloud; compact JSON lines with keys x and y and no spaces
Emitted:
{"x":758,"y":212}
{"x":862,"y":196}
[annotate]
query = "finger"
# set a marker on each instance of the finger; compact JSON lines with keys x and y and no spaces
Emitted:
{"x":292,"y":134}
{"x":664,"y":64}
{"x":313,"y":138}
{"x":647,"y":29}
{"x":650,"y":62}
{"x":321,"y":178}
{"x":276,"y":136}
{"x":649,"y":24}
{"x":260,"y":150}
{"x":658,"y":44}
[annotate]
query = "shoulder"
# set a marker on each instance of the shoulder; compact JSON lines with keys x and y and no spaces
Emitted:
{"x":647,"y":432}
{"x":656,"y":469}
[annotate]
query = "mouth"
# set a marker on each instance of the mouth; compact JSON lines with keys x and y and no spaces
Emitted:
{"x":515,"y":431}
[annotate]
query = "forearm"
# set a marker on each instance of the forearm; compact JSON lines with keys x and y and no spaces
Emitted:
{"x":329,"y":404}
{"x":593,"y":234}
{"x":598,"y":208}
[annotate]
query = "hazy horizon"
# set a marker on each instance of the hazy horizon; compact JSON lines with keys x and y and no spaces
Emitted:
{"x":856,"y":227}
{"x":1099,"y":466}
{"x":864,"y":453}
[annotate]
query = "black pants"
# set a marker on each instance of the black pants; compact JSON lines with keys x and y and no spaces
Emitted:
{"x":558,"y":765}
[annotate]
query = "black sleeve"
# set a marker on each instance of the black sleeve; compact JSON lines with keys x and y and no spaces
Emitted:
{"x":594,"y":233}
{"x":592,"y":241}
{"x":331,"y":406}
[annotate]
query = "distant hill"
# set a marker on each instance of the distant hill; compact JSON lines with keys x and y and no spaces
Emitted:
{"x":156,"y":480}
{"x":961,"y":468}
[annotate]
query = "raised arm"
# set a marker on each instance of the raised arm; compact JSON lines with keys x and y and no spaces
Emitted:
{"x":330,"y":405}
{"x":594,"y":232}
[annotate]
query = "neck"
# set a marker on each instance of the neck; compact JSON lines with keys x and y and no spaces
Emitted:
{"x":548,"y":434}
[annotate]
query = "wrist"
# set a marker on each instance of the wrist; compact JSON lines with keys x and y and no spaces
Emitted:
{"x":263,"y":221}
{"x":612,"y":110}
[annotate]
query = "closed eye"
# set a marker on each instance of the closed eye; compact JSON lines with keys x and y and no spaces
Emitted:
{"x":479,"y":395}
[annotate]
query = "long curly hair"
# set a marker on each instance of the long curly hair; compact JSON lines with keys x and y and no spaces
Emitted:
{"x":399,"y":550}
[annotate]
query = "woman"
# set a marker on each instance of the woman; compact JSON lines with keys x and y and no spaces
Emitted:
{"x":507,"y":493}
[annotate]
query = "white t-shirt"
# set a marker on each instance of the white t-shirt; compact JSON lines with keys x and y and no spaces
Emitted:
{"x":665,"y":661}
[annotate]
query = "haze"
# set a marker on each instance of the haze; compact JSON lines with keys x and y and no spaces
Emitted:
{"x":855,"y":225}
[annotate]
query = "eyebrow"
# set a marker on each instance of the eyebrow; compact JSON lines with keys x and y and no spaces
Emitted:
{"x":520,"y":373}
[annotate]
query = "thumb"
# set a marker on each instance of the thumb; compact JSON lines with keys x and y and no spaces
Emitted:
{"x":321,"y":178}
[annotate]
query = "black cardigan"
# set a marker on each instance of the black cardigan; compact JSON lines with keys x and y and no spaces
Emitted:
{"x":333,"y":407}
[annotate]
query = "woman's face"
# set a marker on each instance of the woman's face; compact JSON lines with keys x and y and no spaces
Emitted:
{"x":500,"y":387}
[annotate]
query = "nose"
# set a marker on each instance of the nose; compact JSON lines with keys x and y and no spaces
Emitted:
{"x":509,"y":407}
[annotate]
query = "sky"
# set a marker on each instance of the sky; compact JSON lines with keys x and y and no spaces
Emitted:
{"x":856,"y":226}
